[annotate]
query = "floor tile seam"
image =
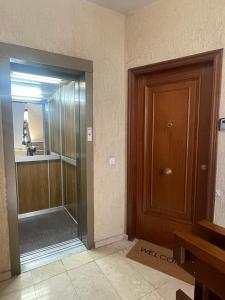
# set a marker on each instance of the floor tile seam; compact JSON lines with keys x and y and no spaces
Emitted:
{"x":17,"y":289}
{"x":79,"y":265}
{"x":35,"y":289}
{"x":149,"y":294}
{"x":142,"y":277}
{"x":128,"y":277}
{"x":90,"y":262}
{"x":113,"y":253}
{"x":54,"y":275}
{"x":109,"y":281}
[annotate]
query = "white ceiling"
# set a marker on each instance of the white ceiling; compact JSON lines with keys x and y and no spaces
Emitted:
{"x":123,"y":6}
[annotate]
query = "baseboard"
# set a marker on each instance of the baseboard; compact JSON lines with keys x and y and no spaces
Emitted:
{"x":110,"y":240}
{"x":5,"y":275}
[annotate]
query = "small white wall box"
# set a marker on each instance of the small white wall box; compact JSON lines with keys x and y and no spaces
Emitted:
{"x":89,"y":134}
{"x":222,"y":124}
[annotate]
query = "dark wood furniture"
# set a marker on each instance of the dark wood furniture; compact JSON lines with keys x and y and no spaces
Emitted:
{"x":202,"y":254}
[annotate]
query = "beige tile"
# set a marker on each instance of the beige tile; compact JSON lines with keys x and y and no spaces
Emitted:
{"x":76,"y":260}
{"x":110,"y":249}
{"x":124,"y":252}
{"x":168,"y":291}
{"x":152,"y":296}
{"x":47,"y":271}
{"x":25,"y":294}
{"x":154,"y":277}
{"x":124,"y":244}
{"x":102,"y":252}
{"x":17,"y":283}
{"x":124,"y":277}
{"x":56,"y":288}
{"x":91,"y":283}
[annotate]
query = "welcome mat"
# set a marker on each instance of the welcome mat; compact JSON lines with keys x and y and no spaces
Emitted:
{"x":160,"y":259}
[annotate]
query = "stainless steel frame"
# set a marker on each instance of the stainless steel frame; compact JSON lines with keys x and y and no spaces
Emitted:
{"x":9,"y":161}
{"x":32,"y":57}
{"x":69,"y":160}
{"x":89,"y":166}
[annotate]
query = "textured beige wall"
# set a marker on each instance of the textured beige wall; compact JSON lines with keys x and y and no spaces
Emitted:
{"x":83,"y":29}
{"x":170,"y":29}
{"x":164,"y":30}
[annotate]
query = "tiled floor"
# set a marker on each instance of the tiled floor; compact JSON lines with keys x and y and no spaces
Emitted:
{"x":102,"y":274}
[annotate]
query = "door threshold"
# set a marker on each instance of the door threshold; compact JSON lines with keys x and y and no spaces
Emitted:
{"x":38,"y":258}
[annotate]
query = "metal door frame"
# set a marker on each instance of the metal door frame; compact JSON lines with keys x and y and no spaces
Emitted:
{"x":18,"y":54}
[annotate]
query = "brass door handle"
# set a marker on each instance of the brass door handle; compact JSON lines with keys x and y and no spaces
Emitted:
{"x":167,"y":172}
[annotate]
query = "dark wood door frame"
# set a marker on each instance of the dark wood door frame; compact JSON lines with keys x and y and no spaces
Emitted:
{"x":213,"y":57}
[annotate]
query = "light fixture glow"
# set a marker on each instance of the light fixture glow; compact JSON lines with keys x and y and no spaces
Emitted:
{"x":35,"y":78}
{"x":25,"y":115}
{"x":25,"y":91}
{"x":25,"y":99}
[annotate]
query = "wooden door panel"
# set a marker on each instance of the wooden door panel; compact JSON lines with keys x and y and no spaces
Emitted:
{"x":205,"y":142}
{"x":55,"y":183}
{"x":160,"y":230}
{"x":33,"y":187}
{"x":170,"y":108}
{"x":164,"y":128}
{"x":148,"y":218}
{"x":70,"y":189}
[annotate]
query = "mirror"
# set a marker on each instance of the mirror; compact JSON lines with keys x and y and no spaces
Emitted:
{"x":44,"y":114}
{"x":31,"y":93}
{"x":29,"y":133}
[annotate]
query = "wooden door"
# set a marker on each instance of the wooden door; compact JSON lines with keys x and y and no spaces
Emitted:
{"x":173,"y":142}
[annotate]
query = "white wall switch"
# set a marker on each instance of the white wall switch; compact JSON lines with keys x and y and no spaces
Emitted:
{"x":89,"y":134}
{"x":112,"y":161}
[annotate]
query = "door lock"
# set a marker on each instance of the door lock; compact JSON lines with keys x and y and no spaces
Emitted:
{"x":204,"y":167}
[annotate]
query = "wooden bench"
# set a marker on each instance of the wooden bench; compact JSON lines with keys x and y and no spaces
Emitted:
{"x":202,"y":254}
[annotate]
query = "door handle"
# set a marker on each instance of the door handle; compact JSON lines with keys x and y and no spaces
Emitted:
{"x":167,"y":172}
